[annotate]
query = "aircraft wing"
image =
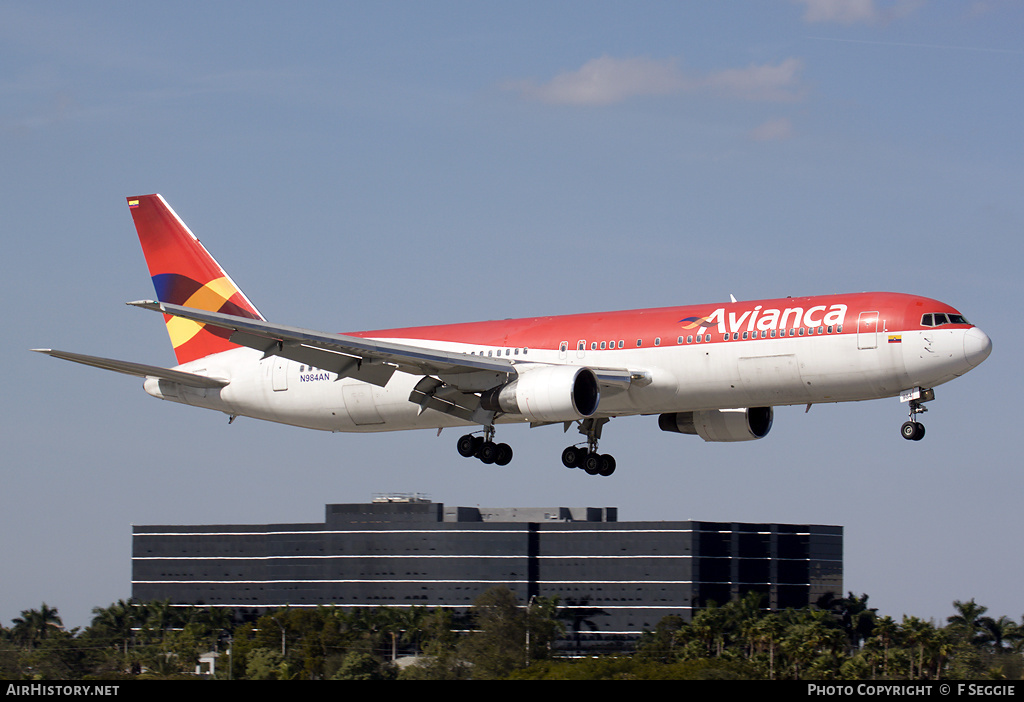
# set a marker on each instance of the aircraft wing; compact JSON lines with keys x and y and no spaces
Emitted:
{"x":139,"y":369}
{"x":371,"y":360}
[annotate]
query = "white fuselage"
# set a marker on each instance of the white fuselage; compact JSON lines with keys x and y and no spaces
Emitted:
{"x":758,"y":372}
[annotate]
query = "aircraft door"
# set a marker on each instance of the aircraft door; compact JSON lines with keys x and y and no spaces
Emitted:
{"x":867,"y":330}
{"x":280,"y":373}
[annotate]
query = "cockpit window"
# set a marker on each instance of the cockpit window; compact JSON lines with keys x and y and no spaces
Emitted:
{"x":935,"y":319}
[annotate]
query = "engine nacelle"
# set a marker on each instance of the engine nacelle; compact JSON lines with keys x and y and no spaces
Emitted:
{"x":743,"y":424}
{"x":547,"y":394}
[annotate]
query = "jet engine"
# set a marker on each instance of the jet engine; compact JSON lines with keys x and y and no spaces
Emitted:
{"x":743,"y":424}
{"x":547,"y":394}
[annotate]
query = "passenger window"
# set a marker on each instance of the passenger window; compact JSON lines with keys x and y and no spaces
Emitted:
{"x":657,"y":341}
{"x":679,"y":340}
{"x":638,"y":343}
{"x":689,"y":339}
{"x":603,"y":345}
{"x":621,"y":343}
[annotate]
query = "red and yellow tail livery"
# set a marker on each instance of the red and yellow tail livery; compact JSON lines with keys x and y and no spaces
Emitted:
{"x":184,"y":273}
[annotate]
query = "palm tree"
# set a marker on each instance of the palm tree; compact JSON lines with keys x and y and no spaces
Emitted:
{"x":884,"y":634}
{"x":921,"y":638}
{"x":35,"y":624}
{"x":579,"y":613}
{"x":999,"y":632}
{"x":765,"y":634}
{"x":157,"y":617}
{"x":967,"y":620}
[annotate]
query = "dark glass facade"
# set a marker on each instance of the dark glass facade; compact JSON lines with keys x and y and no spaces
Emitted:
{"x":621,"y":577}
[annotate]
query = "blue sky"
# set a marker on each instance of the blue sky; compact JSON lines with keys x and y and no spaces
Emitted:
{"x":365,"y":165}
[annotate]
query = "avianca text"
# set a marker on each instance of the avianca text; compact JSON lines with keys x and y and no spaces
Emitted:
{"x":766,"y":319}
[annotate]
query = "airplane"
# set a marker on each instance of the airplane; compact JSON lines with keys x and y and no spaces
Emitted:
{"x":711,"y":370}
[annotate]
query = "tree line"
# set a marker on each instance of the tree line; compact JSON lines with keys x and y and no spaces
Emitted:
{"x":841,"y":638}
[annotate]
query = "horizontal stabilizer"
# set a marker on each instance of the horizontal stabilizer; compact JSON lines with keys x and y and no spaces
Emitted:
{"x":139,"y":369}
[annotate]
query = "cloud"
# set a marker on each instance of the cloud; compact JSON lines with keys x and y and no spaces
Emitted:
{"x":608,"y":80}
{"x":779,"y":83}
{"x":774,"y":130}
{"x":856,"y":11}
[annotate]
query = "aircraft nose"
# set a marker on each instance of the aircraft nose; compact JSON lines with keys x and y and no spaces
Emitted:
{"x":977,"y":346}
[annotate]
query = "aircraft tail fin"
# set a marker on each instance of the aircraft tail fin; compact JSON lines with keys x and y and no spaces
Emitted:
{"x":184,"y":273}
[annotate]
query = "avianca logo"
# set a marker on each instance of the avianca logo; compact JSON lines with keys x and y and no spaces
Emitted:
{"x":693,"y":322}
{"x":759,"y":319}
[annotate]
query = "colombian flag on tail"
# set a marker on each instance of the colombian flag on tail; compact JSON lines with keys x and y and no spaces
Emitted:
{"x":184,"y":273}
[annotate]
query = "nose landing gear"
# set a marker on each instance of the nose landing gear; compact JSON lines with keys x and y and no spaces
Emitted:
{"x":913,"y":430}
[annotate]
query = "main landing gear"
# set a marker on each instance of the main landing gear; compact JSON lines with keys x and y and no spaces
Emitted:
{"x":484,"y":448}
{"x":913,"y":430}
{"x":592,"y":462}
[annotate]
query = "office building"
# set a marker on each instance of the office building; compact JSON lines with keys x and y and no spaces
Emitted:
{"x":402,"y":551}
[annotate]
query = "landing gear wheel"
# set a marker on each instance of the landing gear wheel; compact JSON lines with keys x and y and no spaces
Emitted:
{"x":912,"y":431}
{"x":488,"y":452}
{"x":607,"y":466}
{"x":572,"y":456}
{"x":467,"y":445}
{"x":592,"y":463}
{"x":504,"y":455}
